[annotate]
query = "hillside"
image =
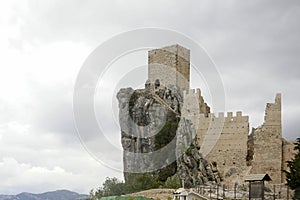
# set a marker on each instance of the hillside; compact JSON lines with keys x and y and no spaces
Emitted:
{"x":53,"y":195}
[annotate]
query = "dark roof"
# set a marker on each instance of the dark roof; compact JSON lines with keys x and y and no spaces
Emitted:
{"x":257,"y":177}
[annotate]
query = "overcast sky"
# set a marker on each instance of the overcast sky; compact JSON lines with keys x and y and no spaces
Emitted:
{"x":43,"y":44}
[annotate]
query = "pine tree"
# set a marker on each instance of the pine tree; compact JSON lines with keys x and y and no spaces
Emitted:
{"x":293,"y":174}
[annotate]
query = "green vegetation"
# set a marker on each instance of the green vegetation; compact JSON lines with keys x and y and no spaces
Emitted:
{"x":173,"y":182}
{"x":113,"y":187}
{"x":123,"y":198}
{"x":293,"y":174}
{"x":110,"y":187}
{"x":190,"y":149}
{"x":139,"y":182}
{"x":168,"y":132}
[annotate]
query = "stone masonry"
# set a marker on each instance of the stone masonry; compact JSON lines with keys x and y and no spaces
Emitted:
{"x":226,"y":138}
{"x":267,"y":143}
{"x":170,"y":65}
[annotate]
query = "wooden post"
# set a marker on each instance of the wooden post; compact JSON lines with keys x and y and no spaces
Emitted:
{"x":263,"y":190}
{"x":279,"y":193}
{"x":249,"y":190}
{"x":235,"y":190}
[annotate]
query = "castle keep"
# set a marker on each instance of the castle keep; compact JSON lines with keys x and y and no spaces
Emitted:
{"x":222,"y":139}
{"x":170,"y":65}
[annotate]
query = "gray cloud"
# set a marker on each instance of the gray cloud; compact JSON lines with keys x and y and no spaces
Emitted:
{"x":53,"y":110}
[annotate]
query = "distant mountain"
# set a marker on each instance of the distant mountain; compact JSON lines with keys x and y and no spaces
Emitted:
{"x":55,"y":195}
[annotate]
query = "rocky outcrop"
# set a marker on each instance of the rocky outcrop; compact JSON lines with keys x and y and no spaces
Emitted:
{"x":156,"y":139}
{"x":191,"y":166}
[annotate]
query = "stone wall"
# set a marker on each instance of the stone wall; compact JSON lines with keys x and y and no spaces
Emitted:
{"x":171,"y":65}
{"x":267,"y":143}
{"x":193,"y":105}
{"x":224,"y":141}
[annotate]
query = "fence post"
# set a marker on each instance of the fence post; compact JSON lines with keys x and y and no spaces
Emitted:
{"x":279,"y":193}
{"x":235,"y":190}
{"x":223,"y":191}
{"x":217,"y":191}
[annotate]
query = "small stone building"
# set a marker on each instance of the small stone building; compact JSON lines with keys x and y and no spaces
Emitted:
{"x":184,"y":194}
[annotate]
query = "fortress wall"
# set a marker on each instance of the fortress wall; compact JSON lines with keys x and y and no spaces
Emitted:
{"x":171,"y":65}
{"x":267,"y":143}
{"x":191,"y":109}
{"x":226,"y":137}
{"x":193,"y":105}
{"x":288,"y":153}
{"x":192,"y":94}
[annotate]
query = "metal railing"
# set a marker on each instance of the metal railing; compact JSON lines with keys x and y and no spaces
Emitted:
{"x":235,"y":191}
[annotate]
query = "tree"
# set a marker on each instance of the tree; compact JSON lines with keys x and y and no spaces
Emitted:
{"x":115,"y":187}
{"x":94,"y":195}
{"x":110,"y":187}
{"x":140,"y":182}
{"x":173,"y":182}
{"x":293,"y":174}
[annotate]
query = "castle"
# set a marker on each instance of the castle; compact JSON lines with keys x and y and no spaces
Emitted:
{"x":223,"y":140}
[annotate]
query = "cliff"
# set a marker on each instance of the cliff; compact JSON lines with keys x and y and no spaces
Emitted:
{"x":156,"y":139}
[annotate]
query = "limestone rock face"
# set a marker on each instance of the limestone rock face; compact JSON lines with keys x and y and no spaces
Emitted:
{"x":148,"y":120}
{"x":156,"y":139}
{"x":191,"y":166}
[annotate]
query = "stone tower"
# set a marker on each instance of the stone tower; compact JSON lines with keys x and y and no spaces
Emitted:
{"x":170,"y":65}
{"x":267,"y":143}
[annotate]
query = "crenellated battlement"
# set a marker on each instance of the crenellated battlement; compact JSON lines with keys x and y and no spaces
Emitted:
{"x":194,"y":100}
{"x":238,"y":117}
{"x":192,"y":92}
